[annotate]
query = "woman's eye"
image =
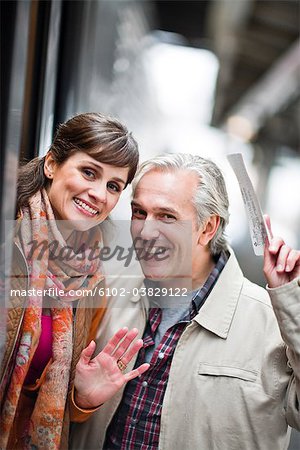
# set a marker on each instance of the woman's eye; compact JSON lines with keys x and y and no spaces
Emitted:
{"x":114,"y":187}
{"x":89,"y":173}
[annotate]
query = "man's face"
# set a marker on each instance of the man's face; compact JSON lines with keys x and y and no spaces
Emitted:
{"x":164,"y":226}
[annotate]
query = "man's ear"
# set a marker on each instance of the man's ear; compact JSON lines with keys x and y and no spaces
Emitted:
{"x":209,"y":230}
{"x":49,"y":166}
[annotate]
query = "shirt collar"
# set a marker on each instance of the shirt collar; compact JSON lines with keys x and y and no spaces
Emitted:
{"x":217,"y":312}
{"x":201,"y":294}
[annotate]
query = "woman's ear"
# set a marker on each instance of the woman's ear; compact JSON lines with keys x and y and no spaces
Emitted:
{"x":209,"y":230}
{"x":49,"y":166}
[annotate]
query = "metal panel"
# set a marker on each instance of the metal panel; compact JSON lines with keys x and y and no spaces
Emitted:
{"x":45,"y":132}
{"x":13,"y":128}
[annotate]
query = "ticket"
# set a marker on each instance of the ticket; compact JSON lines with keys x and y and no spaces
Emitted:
{"x":258,"y":229}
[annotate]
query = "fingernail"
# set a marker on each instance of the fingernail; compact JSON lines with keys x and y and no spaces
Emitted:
{"x":288,"y":268}
{"x":271,"y":248}
{"x":279,"y":268}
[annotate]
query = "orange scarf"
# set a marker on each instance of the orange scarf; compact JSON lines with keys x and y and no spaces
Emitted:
{"x":75,"y":272}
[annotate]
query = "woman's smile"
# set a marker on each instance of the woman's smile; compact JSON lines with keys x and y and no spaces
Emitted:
{"x":85,"y":207}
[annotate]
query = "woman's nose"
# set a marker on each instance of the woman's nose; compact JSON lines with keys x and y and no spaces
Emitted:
{"x":99,"y":193}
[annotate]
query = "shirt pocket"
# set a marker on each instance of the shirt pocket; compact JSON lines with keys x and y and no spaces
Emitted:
{"x":227,"y":371}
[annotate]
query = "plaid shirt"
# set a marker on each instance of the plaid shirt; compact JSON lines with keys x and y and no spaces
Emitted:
{"x":136,"y":423}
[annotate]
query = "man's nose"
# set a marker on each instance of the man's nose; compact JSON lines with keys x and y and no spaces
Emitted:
{"x":99,"y":193}
{"x":150,"y":229}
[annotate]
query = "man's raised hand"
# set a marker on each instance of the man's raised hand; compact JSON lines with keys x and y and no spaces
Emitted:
{"x":281,"y":262}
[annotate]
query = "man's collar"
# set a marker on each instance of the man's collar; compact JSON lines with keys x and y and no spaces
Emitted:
{"x":218,"y":310}
{"x":200,"y":295}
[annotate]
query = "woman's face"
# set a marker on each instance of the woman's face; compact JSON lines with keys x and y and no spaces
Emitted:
{"x":83,"y":190}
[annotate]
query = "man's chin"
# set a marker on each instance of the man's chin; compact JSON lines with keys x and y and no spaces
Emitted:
{"x":164,"y":271}
{"x":153,"y":277}
{"x":160,"y":276}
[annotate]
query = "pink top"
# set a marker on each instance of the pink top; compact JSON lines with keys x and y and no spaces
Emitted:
{"x":43,"y":352}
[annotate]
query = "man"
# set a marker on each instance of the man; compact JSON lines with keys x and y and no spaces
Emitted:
{"x":220,"y":375}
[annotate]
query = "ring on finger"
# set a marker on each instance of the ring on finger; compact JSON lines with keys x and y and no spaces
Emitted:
{"x":122,"y":366}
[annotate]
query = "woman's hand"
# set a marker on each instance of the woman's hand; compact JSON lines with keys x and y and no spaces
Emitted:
{"x":281,"y":262}
{"x":98,"y":379}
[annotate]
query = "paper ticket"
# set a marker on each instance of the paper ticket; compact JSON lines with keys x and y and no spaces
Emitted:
{"x":258,"y":229}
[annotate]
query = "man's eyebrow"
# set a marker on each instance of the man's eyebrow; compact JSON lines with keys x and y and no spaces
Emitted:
{"x":166,"y":210}
{"x":133,"y":203}
{"x":160,"y":209}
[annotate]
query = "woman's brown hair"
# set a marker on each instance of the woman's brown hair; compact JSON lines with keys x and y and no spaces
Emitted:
{"x":104,"y":138}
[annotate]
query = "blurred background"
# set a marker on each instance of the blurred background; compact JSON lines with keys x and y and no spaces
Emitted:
{"x":205,"y":77}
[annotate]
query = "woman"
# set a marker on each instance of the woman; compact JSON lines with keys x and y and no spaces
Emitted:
{"x":61,"y":200}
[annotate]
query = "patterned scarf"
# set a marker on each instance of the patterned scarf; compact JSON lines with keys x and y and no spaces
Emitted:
{"x":74,"y":272}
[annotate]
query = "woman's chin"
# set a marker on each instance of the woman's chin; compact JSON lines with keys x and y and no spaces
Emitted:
{"x":67,"y":226}
{"x":84,"y":225}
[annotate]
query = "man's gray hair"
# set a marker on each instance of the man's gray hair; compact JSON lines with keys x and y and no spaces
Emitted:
{"x":211,"y":197}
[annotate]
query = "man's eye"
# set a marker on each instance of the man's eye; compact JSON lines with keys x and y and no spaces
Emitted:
{"x":167,"y":218}
{"x":138,"y":214}
{"x":113,"y":187}
{"x":89,"y":173}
